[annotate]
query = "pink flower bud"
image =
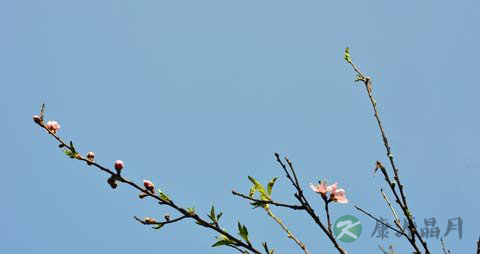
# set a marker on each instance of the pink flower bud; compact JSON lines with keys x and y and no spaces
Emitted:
{"x":149,"y":186}
{"x":37,"y":119}
{"x":90,"y":155}
{"x":150,"y":220}
{"x":52,"y":126}
{"x":119,"y":165}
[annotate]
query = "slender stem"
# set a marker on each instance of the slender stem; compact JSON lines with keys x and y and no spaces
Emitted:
{"x":327,"y":212}
{"x":289,"y":233}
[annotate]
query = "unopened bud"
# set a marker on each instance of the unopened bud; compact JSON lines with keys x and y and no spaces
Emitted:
{"x":119,"y":165}
{"x":150,"y":220}
{"x":149,"y":186}
{"x":167,"y":217}
{"x":111,"y":181}
{"x":142,"y":195}
{"x":90,"y":157}
{"x":37,"y":119}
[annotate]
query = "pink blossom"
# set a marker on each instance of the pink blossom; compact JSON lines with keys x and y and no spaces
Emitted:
{"x":148,"y":185}
{"x":320,"y":188}
{"x":52,"y":126}
{"x":335,"y":195}
{"x":339,"y":196}
{"x":119,"y":165}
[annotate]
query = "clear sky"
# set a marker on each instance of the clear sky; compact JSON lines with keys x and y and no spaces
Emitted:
{"x":197,"y":95}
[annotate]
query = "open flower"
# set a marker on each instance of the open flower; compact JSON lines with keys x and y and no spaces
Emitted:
{"x":338,"y":195}
{"x":320,"y":188}
{"x":52,"y":126}
{"x":335,"y":195}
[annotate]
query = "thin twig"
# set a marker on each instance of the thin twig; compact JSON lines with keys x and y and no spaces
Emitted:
{"x":289,"y":233}
{"x":294,"y":207}
{"x":379,"y":221}
{"x":478,"y":246}
{"x":445,"y":250}
{"x":397,"y":220}
{"x":159,"y":223}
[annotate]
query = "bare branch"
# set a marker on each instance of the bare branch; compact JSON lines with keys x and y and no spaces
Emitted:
{"x":379,"y":221}
{"x":400,"y":199}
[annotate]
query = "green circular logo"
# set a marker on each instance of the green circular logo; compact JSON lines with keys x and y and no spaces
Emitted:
{"x":347,"y":228}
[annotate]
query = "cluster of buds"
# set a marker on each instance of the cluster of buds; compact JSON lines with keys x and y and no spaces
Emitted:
{"x":335,"y":195}
{"x":52,"y":126}
{"x":111,"y":181}
{"x":90,"y":157}
{"x":149,"y":186}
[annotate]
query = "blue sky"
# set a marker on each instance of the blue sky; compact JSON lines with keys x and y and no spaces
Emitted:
{"x":197,"y":95}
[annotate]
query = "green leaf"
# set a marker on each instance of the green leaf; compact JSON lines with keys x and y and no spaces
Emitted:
{"x":243,"y":232}
{"x":191,"y":210}
{"x":158,"y":226}
{"x":212,"y":214}
{"x":163,"y":196}
{"x":346,"y":56}
{"x":72,"y":147}
{"x":252,"y":191}
{"x":259,"y":187}
{"x":69,"y":153}
{"x":222,"y":242}
{"x":270,"y":185}
{"x":219,"y":216}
